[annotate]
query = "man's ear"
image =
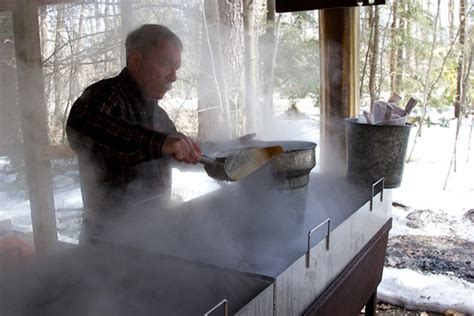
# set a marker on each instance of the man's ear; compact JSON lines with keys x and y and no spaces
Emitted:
{"x":133,"y":61}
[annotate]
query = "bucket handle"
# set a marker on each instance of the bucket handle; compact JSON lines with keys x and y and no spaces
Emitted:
{"x":308,"y":251}
{"x":381,"y":180}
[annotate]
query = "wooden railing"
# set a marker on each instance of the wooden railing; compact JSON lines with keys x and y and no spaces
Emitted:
{"x":43,"y":152}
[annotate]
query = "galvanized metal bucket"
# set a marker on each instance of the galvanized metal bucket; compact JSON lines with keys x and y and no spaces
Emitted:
{"x":375,"y":151}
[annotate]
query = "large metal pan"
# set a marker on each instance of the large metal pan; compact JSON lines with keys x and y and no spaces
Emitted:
{"x":291,"y":168}
{"x":239,"y":163}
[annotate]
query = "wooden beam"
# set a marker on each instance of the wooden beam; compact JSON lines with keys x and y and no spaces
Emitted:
{"x":34,"y":123}
{"x":43,"y":152}
{"x":55,"y":152}
{"x":11,"y":150}
{"x":7,"y":5}
{"x":339,"y":57}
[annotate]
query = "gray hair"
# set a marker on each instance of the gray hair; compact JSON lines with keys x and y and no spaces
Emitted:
{"x":148,"y":36}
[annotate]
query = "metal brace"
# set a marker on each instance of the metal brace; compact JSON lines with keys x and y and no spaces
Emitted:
{"x":308,"y":251}
{"x":226,"y":308}
{"x":373,"y":192}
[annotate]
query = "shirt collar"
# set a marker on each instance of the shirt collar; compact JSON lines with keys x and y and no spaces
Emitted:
{"x":132,"y":84}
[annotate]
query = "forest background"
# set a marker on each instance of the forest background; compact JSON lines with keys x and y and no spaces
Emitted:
{"x":240,"y":56}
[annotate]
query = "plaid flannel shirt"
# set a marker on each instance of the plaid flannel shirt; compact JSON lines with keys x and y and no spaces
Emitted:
{"x":118,"y":136}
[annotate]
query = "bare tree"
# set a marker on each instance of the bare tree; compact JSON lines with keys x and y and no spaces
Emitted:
{"x":463,"y":71}
{"x":213,"y":101}
{"x":428,"y":86}
{"x":251,"y":71}
{"x":400,"y":45}
{"x":370,"y":24}
{"x":460,"y":65}
{"x":451,"y":18}
{"x":232,"y":38}
{"x":374,"y":53}
{"x":268,"y":49}
{"x":393,"y":46}
{"x":382,"y":51}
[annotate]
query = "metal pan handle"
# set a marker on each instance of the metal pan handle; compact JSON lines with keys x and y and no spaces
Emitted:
{"x":308,"y":251}
{"x":381,"y":180}
{"x":206,"y":160}
{"x":226,"y":308}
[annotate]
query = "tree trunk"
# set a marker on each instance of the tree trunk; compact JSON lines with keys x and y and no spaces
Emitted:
{"x":370,"y":26}
{"x":213,"y":101}
{"x":393,"y":47}
{"x":400,"y":46}
{"x":59,"y":41}
{"x":73,"y":73}
{"x":382,"y":53}
{"x":460,"y":66}
{"x":459,"y":122}
{"x":251,"y":74}
{"x":268,"y":53}
{"x":451,"y":18}
{"x":410,"y":48}
{"x":428,"y":85}
{"x":233,"y":47}
{"x":374,"y":55}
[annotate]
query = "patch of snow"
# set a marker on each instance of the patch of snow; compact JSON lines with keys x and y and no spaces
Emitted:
{"x":414,"y":290}
{"x":67,"y":239}
{"x":16,"y":209}
{"x":422,"y":189}
{"x":423,"y":181}
{"x":68,"y":198}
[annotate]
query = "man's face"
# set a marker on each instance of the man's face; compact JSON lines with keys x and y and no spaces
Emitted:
{"x":155,"y":71}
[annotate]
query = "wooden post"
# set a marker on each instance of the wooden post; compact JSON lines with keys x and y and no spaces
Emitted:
{"x":34,"y":123}
{"x":339,"y":50}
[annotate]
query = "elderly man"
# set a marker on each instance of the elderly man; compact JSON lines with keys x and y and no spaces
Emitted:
{"x":123,"y":139}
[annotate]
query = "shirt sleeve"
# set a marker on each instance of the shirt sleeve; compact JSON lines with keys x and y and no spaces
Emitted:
{"x":91,"y":128}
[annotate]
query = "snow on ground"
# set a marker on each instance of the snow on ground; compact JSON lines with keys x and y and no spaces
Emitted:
{"x":416,"y":291}
{"x":422,"y":189}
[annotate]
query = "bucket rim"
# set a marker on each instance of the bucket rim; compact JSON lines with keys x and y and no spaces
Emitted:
{"x":354,"y":121}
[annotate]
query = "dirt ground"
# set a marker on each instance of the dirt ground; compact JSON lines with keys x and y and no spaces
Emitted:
{"x":384,"y":309}
{"x":438,"y":255}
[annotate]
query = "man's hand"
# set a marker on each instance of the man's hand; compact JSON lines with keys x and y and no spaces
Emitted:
{"x":182,"y":149}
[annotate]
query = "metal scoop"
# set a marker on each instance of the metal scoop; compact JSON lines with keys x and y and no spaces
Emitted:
{"x":240,"y":163}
